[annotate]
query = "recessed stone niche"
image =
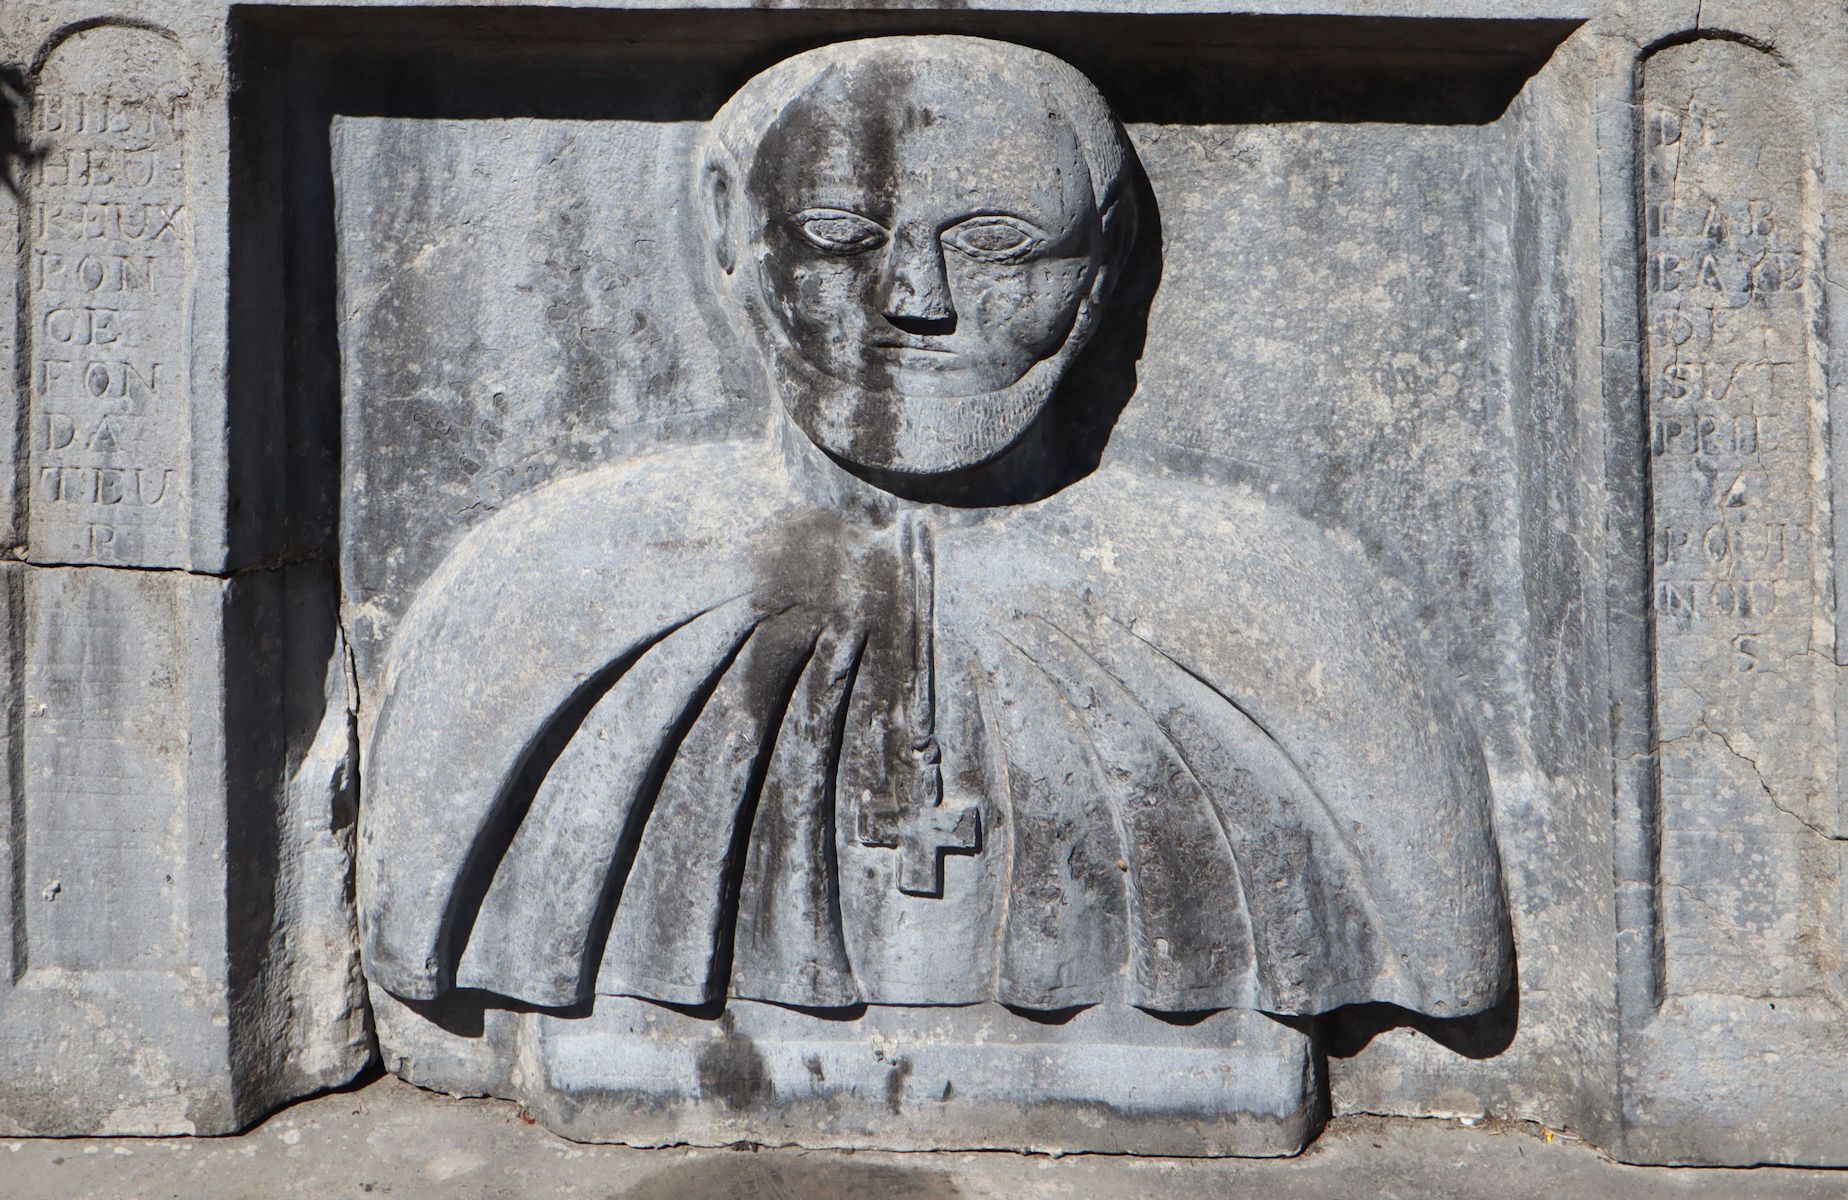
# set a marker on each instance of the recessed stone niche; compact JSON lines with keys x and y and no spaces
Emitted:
{"x":1109,"y":578}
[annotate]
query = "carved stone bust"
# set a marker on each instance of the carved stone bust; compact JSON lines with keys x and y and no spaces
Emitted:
{"x":894,"y":707}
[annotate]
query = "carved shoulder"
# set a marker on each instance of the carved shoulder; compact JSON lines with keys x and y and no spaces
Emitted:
{"x":524,"y":614}
{"x":623,"y":527}
{"x":1311,"y":642}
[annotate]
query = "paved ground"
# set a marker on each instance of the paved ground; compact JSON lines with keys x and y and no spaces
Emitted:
{"x":391,"y":1140}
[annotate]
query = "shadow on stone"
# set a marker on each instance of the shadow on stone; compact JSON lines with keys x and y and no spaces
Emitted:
{"x":1484,"y":1035}
{"x":15,"y":150}
{"x":1068,"y":442}
{"x":763,"y":1177}
{"x":463,"y":1012}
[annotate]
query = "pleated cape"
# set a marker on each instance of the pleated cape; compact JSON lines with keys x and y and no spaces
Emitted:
{"x":637,"y":731}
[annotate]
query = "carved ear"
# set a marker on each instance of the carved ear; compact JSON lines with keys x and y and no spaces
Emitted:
{"x":1121,"y":222}
{"x":718,"y":187}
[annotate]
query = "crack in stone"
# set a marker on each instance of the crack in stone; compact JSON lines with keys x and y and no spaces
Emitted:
{"x":1752,"y":765}
{"x":274,"y":562}
{"x":1720,"y":919}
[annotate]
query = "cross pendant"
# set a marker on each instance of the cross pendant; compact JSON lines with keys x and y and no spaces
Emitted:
{"x":919,"y":827}
{"x":922,"y":835}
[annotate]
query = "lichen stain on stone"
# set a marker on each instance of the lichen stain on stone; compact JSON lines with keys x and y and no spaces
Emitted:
{"x":733,"y":1071}
{"x":895,"y":1085}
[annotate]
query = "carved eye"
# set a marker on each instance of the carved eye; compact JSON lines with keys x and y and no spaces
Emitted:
{"x":995,"y":239}
{"x":838,"y":231}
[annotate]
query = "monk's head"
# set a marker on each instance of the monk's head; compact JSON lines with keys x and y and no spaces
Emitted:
{"x":919,"y":234}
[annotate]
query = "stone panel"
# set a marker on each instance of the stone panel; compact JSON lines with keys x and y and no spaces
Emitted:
{"x":957,"y":1078}
{"x":1740,"y":529}
{"x":108,"y":233}
{"x":12,"y":816}
{"x":13,"y":407}
{"x":107,"y":701}
{"x":922,"y":688}
{"x":1745,"y":1005}
{"x":172,"y":914}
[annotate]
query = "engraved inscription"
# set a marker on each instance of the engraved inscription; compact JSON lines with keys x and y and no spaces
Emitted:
{"x":1739,"y":593}
{"x":108,"y":248}
{"x":105,"y":772}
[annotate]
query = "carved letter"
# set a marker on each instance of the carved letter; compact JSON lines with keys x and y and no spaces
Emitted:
{"x":113,"y":114}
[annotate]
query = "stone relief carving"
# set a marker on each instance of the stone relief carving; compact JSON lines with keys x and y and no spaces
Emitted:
{"x":822,"y":667}
{"x":901,"y":704}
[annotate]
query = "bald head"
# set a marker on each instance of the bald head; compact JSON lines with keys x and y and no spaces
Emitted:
{"x":975,"y":73}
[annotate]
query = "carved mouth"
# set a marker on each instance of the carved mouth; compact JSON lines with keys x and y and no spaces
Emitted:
{"x":902,"y":348}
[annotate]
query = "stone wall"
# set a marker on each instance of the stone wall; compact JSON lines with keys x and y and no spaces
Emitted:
{"x":1528,"y":306}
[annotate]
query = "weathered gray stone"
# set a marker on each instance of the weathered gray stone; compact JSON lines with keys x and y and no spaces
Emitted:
{"x":1443,"y":436}
{"x":939,"y":714}
{"x":1748,"y":802}
{"x":390,"y":1139}
{"x":110,"y":259}
{"x":178,"y":957}
{"x":180,"y":761}
{"x":1106,"y":1077}
{"x":935,"y":710}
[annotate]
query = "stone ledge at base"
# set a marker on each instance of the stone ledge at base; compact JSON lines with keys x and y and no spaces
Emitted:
{"x":978,"y":1077}
{"x":390,"y":1139}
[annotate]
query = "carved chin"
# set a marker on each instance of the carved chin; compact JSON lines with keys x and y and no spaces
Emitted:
{"x":908,"y":433}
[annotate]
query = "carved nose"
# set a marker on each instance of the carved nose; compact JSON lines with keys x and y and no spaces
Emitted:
{"x":917,"y":294}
